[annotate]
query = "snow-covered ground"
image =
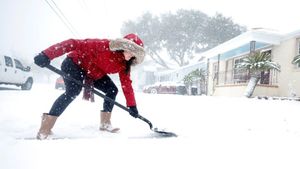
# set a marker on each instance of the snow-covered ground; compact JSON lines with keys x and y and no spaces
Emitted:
{"x":214,"y":132}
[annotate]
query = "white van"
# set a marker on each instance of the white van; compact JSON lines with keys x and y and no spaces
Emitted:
{"x":13,"y":72}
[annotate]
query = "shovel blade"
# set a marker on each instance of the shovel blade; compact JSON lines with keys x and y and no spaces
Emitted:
{"x":163,"y":133}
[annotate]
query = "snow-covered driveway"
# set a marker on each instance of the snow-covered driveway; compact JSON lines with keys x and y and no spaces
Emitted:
{"x":214,"y":132}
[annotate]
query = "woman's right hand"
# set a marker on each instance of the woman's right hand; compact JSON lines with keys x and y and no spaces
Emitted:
{"x":133,"y":111}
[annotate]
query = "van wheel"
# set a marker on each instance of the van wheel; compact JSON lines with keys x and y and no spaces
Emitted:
{"x":27,"y":85}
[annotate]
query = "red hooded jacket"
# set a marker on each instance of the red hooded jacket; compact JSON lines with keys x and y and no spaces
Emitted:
{"x":96,"y":59}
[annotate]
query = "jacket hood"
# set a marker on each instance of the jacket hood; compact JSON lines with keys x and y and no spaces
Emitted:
{"x":131,"y":43}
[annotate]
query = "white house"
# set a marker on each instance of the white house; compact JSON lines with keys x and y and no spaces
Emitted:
{"x":223,"y":79}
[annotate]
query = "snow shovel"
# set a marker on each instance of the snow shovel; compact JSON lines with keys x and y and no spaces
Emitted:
{"x":161,"y":133}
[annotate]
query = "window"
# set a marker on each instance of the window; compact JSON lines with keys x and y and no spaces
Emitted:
{"x":298,"y":47}
{"x":269,"y":51}
{"x":8,"y":61}
{"x":265,"y":75}
{"x":19,"y":64}
{"x":298,"y":51}
{"x":240,"y":75}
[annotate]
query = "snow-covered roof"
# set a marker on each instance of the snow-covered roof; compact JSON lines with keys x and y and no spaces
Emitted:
{"x":295,"y":33}
{"x":263,"y":36}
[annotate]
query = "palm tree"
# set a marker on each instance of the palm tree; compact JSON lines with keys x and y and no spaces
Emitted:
{"x":193,"y":76}
{"x":188,"y":81}
{"x":255,"y":64}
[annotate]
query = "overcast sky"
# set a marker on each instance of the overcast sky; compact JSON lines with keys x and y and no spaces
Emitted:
{"x":29,"y":26}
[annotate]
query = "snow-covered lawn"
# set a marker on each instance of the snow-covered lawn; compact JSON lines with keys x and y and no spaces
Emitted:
{"x":214,"y":132}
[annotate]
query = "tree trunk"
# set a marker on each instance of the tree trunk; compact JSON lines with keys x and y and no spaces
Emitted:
{"x":251,"y":86}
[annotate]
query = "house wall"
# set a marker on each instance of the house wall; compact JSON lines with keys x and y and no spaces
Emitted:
{"x":266,"y":91}
{"x":210,"y":81}
{"x":228,"y":90}
{"x":222,"y":67}
{"x":289,"y":77}
{"x":284,"y":83}
{"x":238,"y":90}
{"x":288,"y":82}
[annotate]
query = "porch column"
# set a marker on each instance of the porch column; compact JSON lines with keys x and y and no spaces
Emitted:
{"x":218,"y":69}
{"x":252,"y":47}
{"x":207,"y":77}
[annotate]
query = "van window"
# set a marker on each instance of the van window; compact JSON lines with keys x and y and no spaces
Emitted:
{"x":19,"y":64}
{"x":8,"y":61}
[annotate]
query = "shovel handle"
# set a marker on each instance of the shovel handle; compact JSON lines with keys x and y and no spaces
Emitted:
{"x":67,"y":76}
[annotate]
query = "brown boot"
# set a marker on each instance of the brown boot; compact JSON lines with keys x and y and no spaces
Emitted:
{"x":105,"y":124}
{"x":47,"y":124}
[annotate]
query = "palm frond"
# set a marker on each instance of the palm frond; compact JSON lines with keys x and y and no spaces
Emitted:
{"x":196,"y":74}
{"x":258,"y":62}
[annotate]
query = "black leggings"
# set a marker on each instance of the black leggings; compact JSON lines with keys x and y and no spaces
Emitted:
{"x":105,"y":84}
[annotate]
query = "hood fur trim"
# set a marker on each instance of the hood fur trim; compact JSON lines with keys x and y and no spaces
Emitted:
{"x":128,"y":45}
